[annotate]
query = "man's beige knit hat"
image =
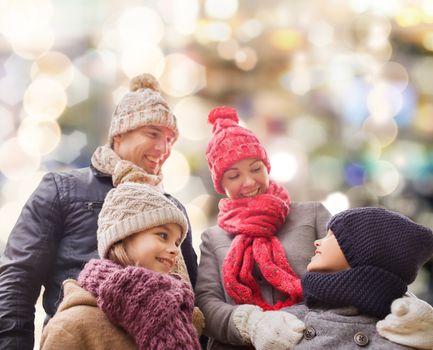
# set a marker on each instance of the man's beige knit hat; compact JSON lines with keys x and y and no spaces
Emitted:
{"x":142,"y":105}
{"x":133,"y":207}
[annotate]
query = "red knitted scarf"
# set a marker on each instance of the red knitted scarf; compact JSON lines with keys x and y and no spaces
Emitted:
{"x":255,"y":221}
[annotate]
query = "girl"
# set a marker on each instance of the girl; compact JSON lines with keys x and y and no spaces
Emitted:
{"x":251,"y":262}
{"x":139,"y":235}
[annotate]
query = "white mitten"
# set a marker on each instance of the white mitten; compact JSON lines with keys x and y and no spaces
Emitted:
{"x":268,"y":330}
{"x":410,"y":323}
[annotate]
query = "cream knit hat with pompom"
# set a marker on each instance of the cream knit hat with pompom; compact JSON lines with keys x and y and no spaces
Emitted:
{"x":142,"y":105}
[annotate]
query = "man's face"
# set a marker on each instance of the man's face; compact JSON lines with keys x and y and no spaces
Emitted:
{"x":148,"y":146}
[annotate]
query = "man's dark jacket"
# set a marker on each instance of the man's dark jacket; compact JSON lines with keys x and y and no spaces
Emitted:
{"x":53,"y":238}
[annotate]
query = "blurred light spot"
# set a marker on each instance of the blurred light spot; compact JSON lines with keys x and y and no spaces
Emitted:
{"x":33,"y":42}
{"x":176,"y":164}
{"x":70,"y":147}
{"x":421,"y":75}
{"x":354,"y":174}
{"x":182,"y":76}
{"x":16,"y":80}
{"x":44,"y":99}
{"x":17,"y":14}
{"x":214,"y":31}
{"x":336,"y":202}
{"x":181,"y":14}
{"x":358,"y":6}
{"x":424,"y":118}
{"x":15,"y":163}
{"x":321,"y":34}
{"x":427,"y":41}
{"x":283,"y":166}
{"x":142,"y":58}
{"x":309,"y":132}
{"x":410,"y":157}
{"x":26,"y":25}
{"x":203,"y":200}
{"x":119,"y":93}
{"x":300,"y":76}
{"x":384,"y":101}
{"x":246,"y":58}
{"x":6,"y":123}
{"x":99,"y":65}
{"x":410,"y":97}
{"x":139,"y":25}
{"x":286,"y":39}
{"x":427,"y":10}
{"x":78,"y":91}
{"x":9,"y":214}
{"x":385,"y":131}
{"x":221,"y":9}
{"x":359,"y":196}
{"x":20,"y":190}
{"x":384,"y":179}
{"x":250,"y":29}
{"x":37,"y":137}
{"x":199,"y":224}
{"x":227,"y":49}
{"x":395,"y":74}
{"x":378,"y":34}
{"x":191,"y":113}
{"x":409,"y":16}
{"x":327,"y":173}
{"x":55,"y":66}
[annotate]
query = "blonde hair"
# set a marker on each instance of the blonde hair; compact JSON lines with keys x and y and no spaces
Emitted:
{"x":118,"y":255}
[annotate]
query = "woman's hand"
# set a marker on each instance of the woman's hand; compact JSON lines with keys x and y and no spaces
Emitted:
{"x":268,"y":330}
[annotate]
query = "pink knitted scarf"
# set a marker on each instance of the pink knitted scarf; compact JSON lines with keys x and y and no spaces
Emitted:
{"x":255,"y":221}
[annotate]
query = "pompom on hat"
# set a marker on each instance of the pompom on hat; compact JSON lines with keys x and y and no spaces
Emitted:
{"x":142,"y":105}
{"x":229,"y":144}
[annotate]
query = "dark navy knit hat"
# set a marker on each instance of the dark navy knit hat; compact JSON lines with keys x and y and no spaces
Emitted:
{"x":382,"y":238}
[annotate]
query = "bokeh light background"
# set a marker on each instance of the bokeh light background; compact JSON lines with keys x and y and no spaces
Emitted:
{"x":339,"y":91}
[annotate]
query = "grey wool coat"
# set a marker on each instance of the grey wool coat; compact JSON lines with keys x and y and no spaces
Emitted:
{"x":305,"y":223}
{"x":339,"y":329}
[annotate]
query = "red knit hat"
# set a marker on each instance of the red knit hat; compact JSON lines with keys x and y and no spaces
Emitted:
{"x":230,"y":144}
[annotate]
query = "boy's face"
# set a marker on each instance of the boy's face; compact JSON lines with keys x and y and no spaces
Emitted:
{"x":328,"y":256}
{"x":156,"y":248}
{"x":246,"y":178}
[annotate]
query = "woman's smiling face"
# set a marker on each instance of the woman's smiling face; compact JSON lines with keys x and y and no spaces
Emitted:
{"x":246,"y":178}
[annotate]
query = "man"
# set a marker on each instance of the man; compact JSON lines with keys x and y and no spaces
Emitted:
{"x":55,"y":234}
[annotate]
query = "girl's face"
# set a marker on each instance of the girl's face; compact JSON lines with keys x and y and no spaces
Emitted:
{"x":156,"y":248}
{"x":328,"y":256}
{"x":246,"y":178}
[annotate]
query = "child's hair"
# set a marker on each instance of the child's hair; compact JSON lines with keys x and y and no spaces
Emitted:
{"x":118,"y":255}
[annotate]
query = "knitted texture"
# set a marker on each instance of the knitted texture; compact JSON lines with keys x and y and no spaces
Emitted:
{"x":255,"y":221}
{"x":142,"y":105}
{"x":154,"y":309}
{"x":134,"y":207}
{"x":270,"y":330}
{"x":368,"y":288}
{"x":108,"y":162}
{"x":410,"y":323}
{"x":229,"y":144}
{"x":382,"y":238}
{"x":384,"y":250}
